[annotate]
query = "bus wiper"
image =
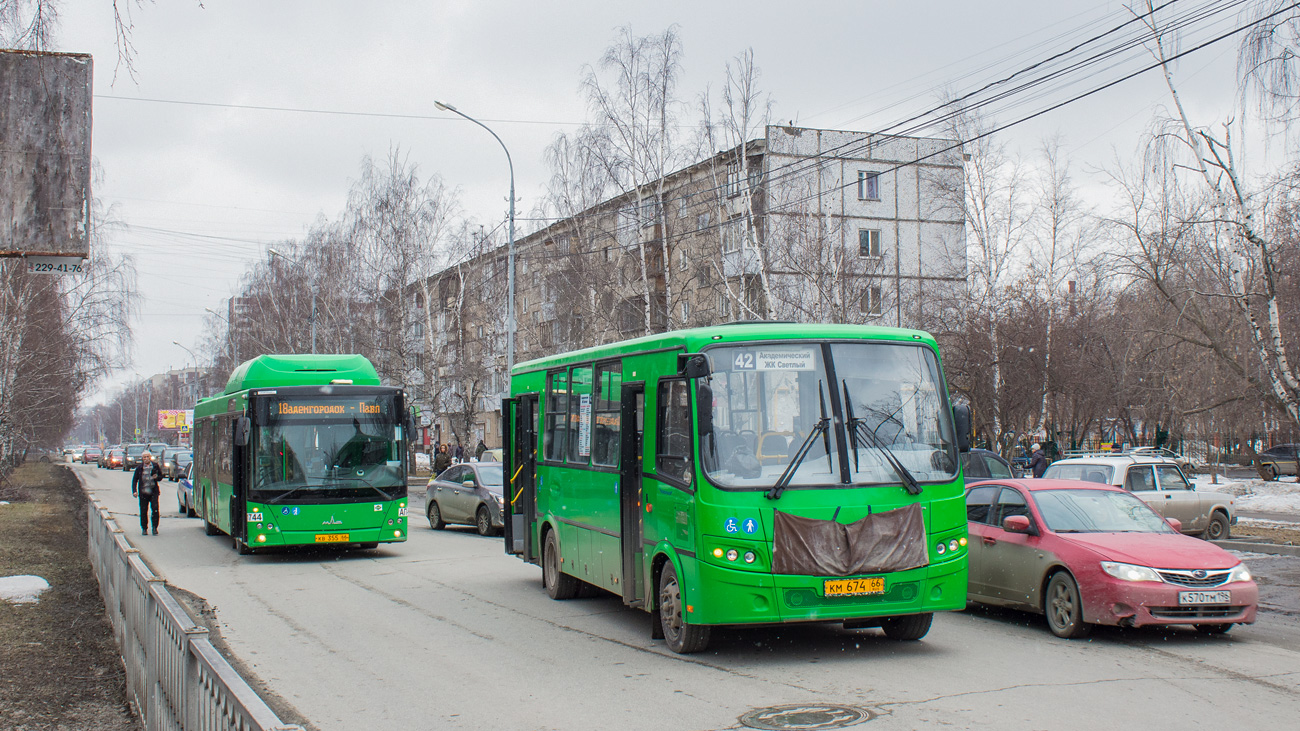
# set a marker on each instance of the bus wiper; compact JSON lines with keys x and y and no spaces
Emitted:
{"x":822,"y":427}
{"x":284,"y":495}
{"x":909,"y":480}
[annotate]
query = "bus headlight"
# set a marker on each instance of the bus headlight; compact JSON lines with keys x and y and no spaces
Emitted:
{"x":261,"y":539}
{"x":397,"y":534}
{"x":732,"y":554}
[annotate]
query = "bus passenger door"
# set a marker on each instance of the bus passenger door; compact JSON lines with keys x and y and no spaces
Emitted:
{"x":631,"y":426}
{"x":520,"y":455}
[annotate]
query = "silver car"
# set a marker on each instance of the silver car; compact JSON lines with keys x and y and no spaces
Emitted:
{"x":468,"y":494}
{"x":1160,"y":483}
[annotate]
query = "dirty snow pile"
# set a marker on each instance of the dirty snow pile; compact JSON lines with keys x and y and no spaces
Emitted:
{"x":1282,"y":496}
{"x":22,"y":589}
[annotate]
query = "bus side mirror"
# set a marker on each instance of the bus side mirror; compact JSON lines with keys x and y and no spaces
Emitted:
{"x":242,"y":427}
{"x":693,"y":366}
{"x":961,"y":420}
{"x":704,"y":408}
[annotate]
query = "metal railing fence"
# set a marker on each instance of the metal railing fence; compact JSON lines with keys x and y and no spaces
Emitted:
{"x":174,"y":675}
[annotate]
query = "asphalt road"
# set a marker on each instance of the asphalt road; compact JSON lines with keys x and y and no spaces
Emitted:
{"x":447,"y":631}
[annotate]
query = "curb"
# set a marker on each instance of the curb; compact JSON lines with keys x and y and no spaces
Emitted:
{"x":1271,"y":548}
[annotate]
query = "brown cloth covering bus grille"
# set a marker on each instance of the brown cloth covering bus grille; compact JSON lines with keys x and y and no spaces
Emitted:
{"x":889,"y":541}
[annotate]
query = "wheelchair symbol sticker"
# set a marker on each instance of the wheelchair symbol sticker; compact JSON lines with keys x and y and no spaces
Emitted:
{"x":731,"y":526}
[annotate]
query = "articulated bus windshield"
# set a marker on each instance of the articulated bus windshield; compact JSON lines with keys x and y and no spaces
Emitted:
{"x":325,"y":447}
{"x":770,"y":401}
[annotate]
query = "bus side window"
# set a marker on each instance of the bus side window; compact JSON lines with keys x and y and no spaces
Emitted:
{"x":555,"y":425}
{"x":673,"y":455}
{"x":605,"y":429}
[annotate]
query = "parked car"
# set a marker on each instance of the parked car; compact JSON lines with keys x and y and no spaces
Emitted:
{"x":470,"y":494}
{"x":173,"y":461}
{"x":1279,"y":459}
{"x":1184,"y":463}
{"x":114,"y":459}
{"x":1160,"y":483}
{"x":185,"y":492}
{"x":981,"y":464}
{"x":1087,"y":553}
{"x":91,"y":454}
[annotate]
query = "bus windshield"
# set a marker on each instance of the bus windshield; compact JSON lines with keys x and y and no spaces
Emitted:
{"x":771,"y":401}
{"x":328,"y":447}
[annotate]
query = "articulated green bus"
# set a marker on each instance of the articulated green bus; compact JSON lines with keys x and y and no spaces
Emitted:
{"x":302,"y":450}
{"x":744,"y":474}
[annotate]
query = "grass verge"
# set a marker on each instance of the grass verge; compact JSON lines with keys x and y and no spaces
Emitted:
{"x":59,"y":664}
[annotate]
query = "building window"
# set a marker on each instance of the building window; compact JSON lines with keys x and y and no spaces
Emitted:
{"x":701,"y":222}
{"x":606,"y":253}
{"x":732,"y":185}
{"x":868,"y":186}
{"x":722,"y":303}
{"x":871,"y":301}
{"x":869,"y":243}
{"x":684,"y":206}
{"x":681,"y":258}
{"x":686,"y":311}
{"x":731,"y":236}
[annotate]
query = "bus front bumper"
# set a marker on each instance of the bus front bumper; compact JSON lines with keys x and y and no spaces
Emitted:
{"x":267,"y":538}
{"x":731,"y":596}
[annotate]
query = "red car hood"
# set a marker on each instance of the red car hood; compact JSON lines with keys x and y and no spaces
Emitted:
{"x":1158,"y":550}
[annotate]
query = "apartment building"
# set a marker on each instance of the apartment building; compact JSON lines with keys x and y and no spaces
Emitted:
{"x":804,"y":224}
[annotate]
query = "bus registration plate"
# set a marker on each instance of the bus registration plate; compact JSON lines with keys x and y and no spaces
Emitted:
{"x":854,"y":587}
{"x":331,"y":537}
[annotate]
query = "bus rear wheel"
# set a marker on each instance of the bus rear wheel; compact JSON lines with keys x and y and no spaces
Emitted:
{"x":681,"y":637}
{"x":559,"y":585}
{"x":907,"y":628}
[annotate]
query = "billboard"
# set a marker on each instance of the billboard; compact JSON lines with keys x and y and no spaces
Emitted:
{"x":175,"y":419}
{"x":45,"y":101}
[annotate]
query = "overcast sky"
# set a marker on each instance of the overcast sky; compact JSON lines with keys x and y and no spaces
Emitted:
{"x":205,"y":189}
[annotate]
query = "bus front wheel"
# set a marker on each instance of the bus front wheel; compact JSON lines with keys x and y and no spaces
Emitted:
{"x":908,"y":627}
{"x":559,"y":585}
{"x":681,"y":637}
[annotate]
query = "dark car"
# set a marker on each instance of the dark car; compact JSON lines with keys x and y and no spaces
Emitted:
{"x":469,"y":494}
{"x":1086,"y":553}
{"x":91,"y":454}
{"x":1279,"y":459}
{"x":981,"y":464}
{"x":134,"y":455}
{"x":185,"y":492}
{"x":173,"y":462}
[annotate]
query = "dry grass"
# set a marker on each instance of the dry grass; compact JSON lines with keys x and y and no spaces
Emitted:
{"x":59,"y":664}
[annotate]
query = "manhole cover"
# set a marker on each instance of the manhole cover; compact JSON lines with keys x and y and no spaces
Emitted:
{"x":805,"y":716}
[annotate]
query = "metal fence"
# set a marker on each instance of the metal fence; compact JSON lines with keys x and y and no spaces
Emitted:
{"x":175,"y":676}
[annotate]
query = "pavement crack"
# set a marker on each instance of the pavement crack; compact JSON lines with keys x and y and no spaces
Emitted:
{"x":402,"y":602}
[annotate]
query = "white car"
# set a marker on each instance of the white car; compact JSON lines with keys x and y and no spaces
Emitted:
{"x":1160,"y":483}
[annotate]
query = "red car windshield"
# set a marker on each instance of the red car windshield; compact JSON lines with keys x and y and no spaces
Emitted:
{"x":1097,"y":511}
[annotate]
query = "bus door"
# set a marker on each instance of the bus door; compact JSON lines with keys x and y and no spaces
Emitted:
{"x":239,"y":483}
{"x":520,"y":453}
{"x":631,"y":426}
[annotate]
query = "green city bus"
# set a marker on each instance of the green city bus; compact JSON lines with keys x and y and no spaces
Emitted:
{"x":302,"y":450}
{"x":744,"y":474}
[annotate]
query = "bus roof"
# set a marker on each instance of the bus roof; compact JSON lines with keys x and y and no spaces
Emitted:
{"x":270,"y":371}
{"x":695,"y":339}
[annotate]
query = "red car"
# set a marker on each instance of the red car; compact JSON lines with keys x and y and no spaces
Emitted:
{"x":1086,"y":553}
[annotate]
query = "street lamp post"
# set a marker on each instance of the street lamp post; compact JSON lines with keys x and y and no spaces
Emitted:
{"x":230,"y":337}
{"x":298,"y":264}
{"x":137,"y":406}
{"x":189,"y":386}
{"x":510,"y":251}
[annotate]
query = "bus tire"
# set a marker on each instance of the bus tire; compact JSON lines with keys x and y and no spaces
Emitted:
{"x":210,"y":529}
{"x":907,"y":628}
{"x":680,"y":636}
{"x":559,"y":585}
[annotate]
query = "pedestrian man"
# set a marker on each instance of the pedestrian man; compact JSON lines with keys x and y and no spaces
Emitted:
{"x":479,"y":450}
{"x":144,"y":485}
{"x":1037,"y":460}
{"x":460,"y":453}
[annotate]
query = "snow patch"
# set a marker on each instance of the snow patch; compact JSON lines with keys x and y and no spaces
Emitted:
{"x":4,"y":502}
{"x":22,"y":589}
{"x":1281,"y":496}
